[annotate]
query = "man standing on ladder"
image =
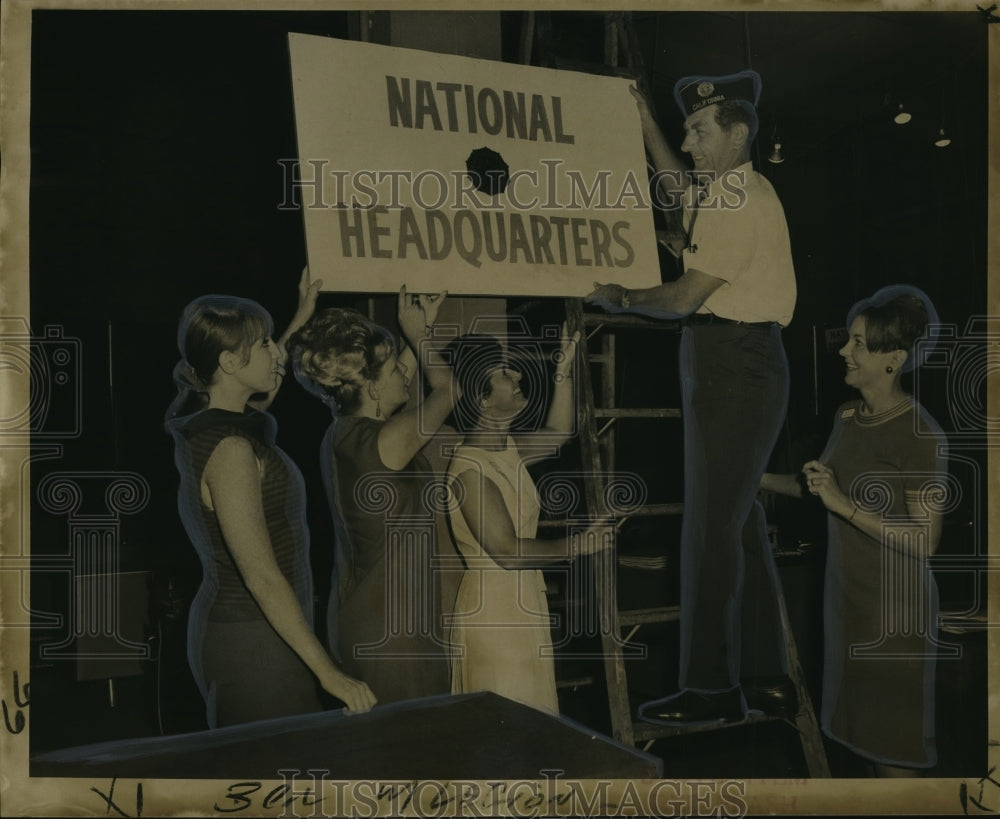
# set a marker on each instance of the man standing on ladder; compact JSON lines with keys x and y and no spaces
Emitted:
{"x":736,"y":293}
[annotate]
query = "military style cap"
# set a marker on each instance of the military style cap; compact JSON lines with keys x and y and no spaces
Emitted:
{"x":694,"y":93}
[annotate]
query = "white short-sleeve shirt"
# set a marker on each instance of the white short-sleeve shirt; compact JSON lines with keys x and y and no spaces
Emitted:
{"x":740,"y":236}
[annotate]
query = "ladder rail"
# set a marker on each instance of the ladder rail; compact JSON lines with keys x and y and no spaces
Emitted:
{"x":598,"y":462}
{"x":605,"y":593}
{"x":598,"y":453}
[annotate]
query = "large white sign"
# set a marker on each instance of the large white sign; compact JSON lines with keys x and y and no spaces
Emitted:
{"x":474,"y":176}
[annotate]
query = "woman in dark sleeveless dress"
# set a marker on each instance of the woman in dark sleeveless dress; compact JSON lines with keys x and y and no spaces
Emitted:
{"x":384,"y":620}
{"x":251,"y":645}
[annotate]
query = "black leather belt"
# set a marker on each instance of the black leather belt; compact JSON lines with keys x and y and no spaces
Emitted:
{"x":711,"y":318}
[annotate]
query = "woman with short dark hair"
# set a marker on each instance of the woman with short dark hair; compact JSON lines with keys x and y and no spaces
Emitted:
{"x":882,"y":478}
{"x":501,"y":629}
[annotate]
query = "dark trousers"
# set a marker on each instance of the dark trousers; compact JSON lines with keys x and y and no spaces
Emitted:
{"x":734,"y":382}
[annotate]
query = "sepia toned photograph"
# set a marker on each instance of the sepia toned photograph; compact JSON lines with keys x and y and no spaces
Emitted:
{"x":497,"y":410}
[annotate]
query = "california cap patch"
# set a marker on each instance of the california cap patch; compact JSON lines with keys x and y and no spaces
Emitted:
{"x":694,"y":93}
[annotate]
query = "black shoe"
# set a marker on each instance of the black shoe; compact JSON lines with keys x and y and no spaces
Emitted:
{"x":691,"y":707}
{"x":775,"y":696}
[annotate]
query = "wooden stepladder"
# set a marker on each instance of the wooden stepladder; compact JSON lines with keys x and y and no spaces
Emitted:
{"x":599,"y":411}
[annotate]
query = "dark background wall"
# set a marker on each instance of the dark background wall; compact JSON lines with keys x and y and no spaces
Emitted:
{"x":155,"y":145}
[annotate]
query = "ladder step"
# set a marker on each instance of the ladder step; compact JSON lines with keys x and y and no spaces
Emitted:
{"x":638,"y":617}
{"x":649,"y":510}
{"x":575,"y":682}
{"x":594,"y":456}
{"x":643,"y":731}
{"x":644,"y":563}
{"x":630,"y":320}
{"x":622,"y":412}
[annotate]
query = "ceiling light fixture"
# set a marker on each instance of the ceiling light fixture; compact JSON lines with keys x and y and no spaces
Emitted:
{"x":902,"y":116}
{"x":943,"y":140}
{"x":776,"y":157}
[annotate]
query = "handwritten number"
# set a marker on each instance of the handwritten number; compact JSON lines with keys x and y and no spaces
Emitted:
{"x":276,"y":795}
{"x":18,"y":725}
{"x":17,"y":693}
{"x":239,"y":797}
{"x":19,"y":720}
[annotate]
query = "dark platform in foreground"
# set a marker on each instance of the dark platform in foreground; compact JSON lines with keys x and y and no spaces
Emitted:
{"x":469,"y":736}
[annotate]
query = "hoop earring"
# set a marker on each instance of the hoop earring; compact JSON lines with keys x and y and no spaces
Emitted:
{"x":888,"y":369}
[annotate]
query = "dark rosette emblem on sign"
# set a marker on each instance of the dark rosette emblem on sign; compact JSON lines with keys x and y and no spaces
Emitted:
{"x":488,"y":171}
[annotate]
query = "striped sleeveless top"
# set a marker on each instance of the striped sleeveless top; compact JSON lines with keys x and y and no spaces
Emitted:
{"x":283,"y":491}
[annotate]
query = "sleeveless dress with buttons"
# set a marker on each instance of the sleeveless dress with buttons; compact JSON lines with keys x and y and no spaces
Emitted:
{"x":501,"y":628}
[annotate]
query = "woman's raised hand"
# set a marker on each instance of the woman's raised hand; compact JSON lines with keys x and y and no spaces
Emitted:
{"x":431,"y":303}
{"x":308,"y":293}
{"x":417,"y":311}
{"x":567,"y":354}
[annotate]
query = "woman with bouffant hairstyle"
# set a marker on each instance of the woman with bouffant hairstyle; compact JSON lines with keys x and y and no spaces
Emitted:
{"x":883,"y":481}
{"x":384,"y":613}
{"x":251,"y":645}
{"x":337,"y":352}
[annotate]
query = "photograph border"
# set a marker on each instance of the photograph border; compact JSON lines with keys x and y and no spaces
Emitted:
{"x":23,"y":795}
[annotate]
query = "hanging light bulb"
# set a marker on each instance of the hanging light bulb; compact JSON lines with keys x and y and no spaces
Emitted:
{"x":902,"y":115}
{"x":776,"y":157}
{"x":943,"y":140}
